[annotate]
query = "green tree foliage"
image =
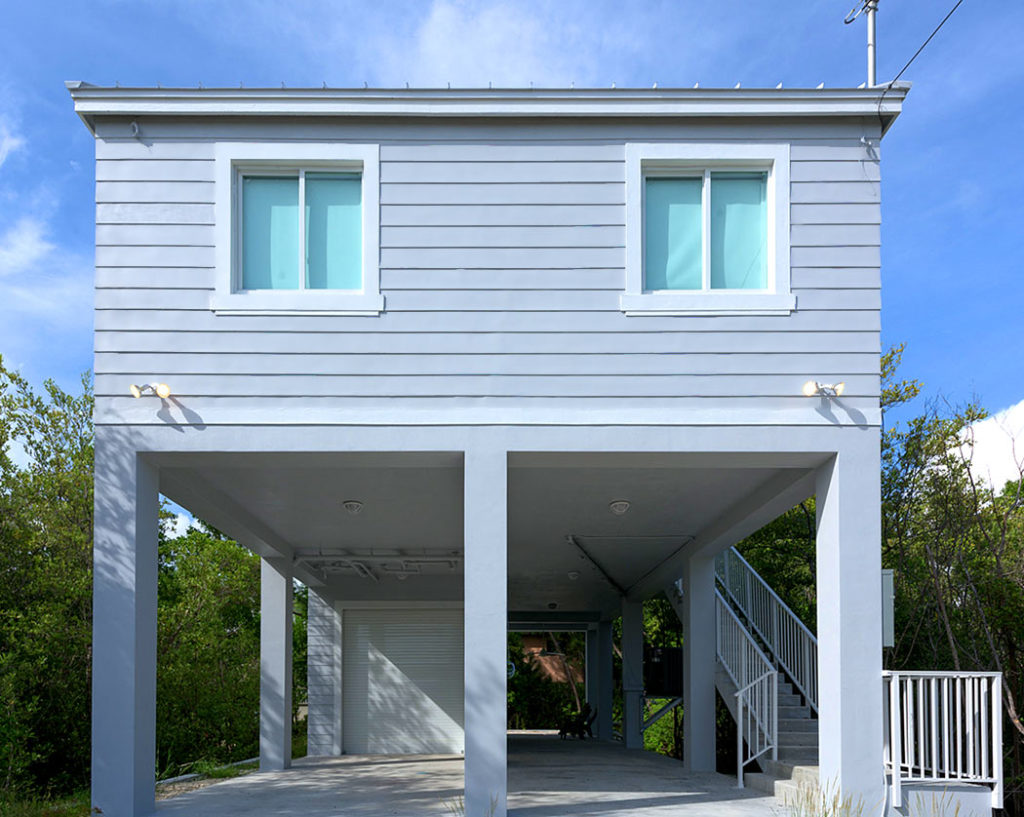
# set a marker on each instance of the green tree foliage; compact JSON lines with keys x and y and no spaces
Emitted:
{"x":208,"y":647}
{"x":662,"y":628}
{"x":536,"y":701}
{"x":208,"y":621}
{"x":45,"y":585}
{"x":956,"y":546}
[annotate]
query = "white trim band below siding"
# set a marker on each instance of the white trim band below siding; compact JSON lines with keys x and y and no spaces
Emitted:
{"x":843,"y":413}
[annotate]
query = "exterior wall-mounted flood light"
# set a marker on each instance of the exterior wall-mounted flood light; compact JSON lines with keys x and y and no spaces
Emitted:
{"x":161,"y":390}
{"x":813,"y":388}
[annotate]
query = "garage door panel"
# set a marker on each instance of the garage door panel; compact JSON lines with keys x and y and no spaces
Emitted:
{"x":402,"y":681}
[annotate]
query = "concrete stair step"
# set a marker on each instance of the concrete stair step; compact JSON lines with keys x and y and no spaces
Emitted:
{"x":782,"y":780}
{"x":790,"y":700}
{"x":799,"y":755}
{"x":760,"y":781}
{"x":792,"y":712}
{"x":794,"y":739}
{"x":798,"y":725}
{"x":788,"y":771}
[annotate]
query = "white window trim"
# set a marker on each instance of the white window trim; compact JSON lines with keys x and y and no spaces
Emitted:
{"x":692,"y":158}
{"x":227,"y":298}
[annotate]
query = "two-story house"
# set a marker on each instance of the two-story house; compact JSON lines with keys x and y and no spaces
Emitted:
{"x":466,"y":360}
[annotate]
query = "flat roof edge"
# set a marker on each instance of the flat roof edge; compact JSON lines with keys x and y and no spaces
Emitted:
{"x":884,"y":101}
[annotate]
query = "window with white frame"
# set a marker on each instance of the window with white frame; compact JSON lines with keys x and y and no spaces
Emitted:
{"x":707,"y":229}
{"x":298,"y":229}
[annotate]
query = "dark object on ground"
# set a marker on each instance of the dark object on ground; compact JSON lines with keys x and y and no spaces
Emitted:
{"x":579,"y":725}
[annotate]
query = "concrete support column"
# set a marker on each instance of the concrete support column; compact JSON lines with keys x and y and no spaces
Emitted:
{"x":275,"y":665}
{"x":632,"y":673}
{"x":124,"y":630}
{"x":486,"y":630}
{"x":605,"y":671}
{"x":323,"y":671}
{"x":850,"y":619}
{"x":699,"y":664}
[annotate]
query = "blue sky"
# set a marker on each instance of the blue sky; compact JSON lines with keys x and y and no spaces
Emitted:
{"x":953,"y":216}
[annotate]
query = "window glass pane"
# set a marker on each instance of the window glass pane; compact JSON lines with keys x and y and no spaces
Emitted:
{"x":673,"y":249}
{"x":739,"y":231}
{"x":334,"y":229}
{"x":270,"y":233}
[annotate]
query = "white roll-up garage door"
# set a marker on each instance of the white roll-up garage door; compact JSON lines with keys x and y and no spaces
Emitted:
{"x":402,"y":681}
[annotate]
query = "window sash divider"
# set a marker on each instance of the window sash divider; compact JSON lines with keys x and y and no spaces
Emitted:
{"x":706,"y":237}
{"x":302,"y":229}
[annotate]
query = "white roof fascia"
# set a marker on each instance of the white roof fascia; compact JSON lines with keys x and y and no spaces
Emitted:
{"x":883,"y":101}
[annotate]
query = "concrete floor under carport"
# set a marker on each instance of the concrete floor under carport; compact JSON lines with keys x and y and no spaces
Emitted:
{"x":547,"y":777}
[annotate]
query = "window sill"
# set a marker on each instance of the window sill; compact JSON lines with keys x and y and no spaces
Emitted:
{"x":309,"y":302}
{"x":707,"y":303}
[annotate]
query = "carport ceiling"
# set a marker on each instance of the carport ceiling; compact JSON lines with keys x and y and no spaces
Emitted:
{"x":547,"y":505}
{"x":412,"y":505}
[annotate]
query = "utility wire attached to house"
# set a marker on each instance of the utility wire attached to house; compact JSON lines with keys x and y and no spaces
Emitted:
{"x":917,"y":53}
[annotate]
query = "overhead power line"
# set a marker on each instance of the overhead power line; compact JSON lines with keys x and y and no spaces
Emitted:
{"x":925,"y":43}
{"x":917,"y":53}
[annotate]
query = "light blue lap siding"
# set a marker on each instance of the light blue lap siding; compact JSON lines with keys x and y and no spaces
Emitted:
{"x":488,"y":285}
{"x":334,"y":250}
{"x":270,"y":233}
{"x":739,"y":236}
{"x":672,"y":234}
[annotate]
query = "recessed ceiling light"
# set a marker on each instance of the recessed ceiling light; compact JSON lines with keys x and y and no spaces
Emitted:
{"x":619,"y":506}
{"x":552,"y":605}
{"x":573,"y":575}
{"x":353,"y":506}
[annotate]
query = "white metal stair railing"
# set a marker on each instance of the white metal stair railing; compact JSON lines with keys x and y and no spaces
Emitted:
{"x":943,"y":727}
{"x":787,"y":638}
{"x":757,"y":688}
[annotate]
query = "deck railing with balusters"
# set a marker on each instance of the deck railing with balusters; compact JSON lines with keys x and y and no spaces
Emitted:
{"x":757,"y":691}
{"x":944,"y":727}
{"x":787,"y":638}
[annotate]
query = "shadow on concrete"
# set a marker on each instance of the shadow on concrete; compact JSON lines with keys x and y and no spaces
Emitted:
{"x":547,"y":778}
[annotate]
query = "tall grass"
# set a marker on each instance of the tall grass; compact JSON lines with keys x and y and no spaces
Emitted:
{"x":812,"y":801}
{"x":75,"y":806}
{"x":457,"y":807}
{"x":827,"y":801}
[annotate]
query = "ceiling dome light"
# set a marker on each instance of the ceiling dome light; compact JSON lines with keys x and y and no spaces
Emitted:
{"x":353,"y":506}
{"x":573,"y":575}
{"x":619,"y":506}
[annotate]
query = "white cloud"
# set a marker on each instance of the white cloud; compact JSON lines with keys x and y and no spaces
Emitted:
{"x":23,"y":246}
{"x":47,"y":293}
{"x":42,"y":281}
{"x":9,"y":143}
{"x":468,"y":43}
{"x":179,"y":526}
{"x":999,"y":447}
{"x":503,"y":43}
